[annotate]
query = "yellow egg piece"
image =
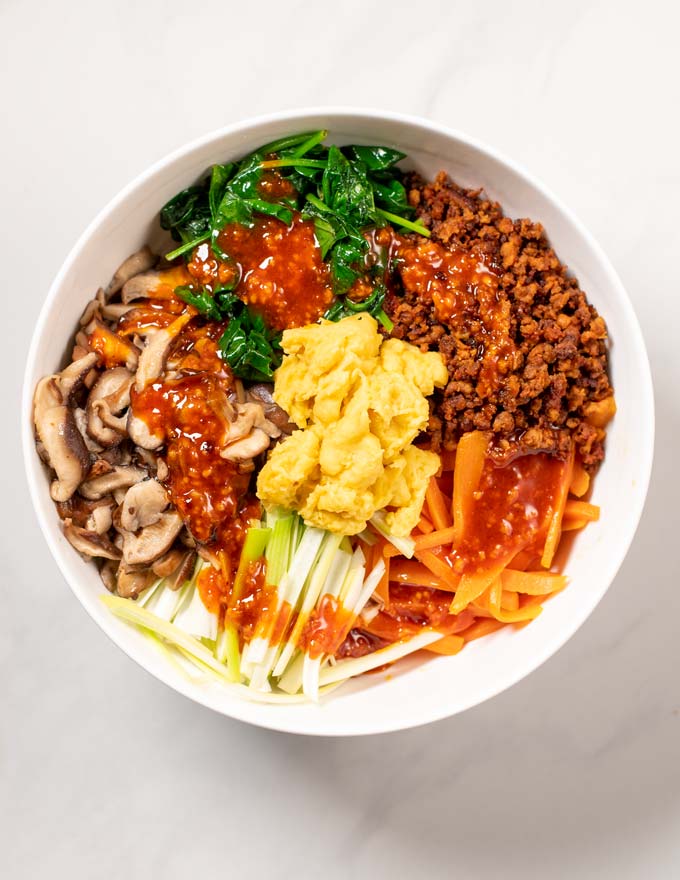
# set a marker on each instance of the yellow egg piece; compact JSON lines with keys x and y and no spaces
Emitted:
{"x":359,"y":401}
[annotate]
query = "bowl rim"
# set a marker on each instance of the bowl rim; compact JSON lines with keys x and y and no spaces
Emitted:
{"x":298,"y":116}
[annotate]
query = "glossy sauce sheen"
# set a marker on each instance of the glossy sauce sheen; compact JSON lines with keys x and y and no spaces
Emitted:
{"x":280,"y":270}
{"x":326,"y":628}
{"x":208,"y":491}
{"x":512,"y":511}
{"x":256,"y":601}
{"x":413,"y":608}
{"x":464,"y":292}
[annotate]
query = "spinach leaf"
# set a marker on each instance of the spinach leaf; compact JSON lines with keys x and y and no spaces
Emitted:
{"x":187,"y":215}
{"x":346,"y":188}
{"x":345,"y":191}
{"x":219,"y":177}
{"x":375,"y":158}
{"x":201,"y":300}
{"x":391,"y":195}
{"x":348,"y":263}
{"x":252,"y":350}
{"x":325,"y":234}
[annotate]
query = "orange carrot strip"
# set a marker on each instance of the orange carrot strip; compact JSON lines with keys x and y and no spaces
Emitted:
{"x":472,"y":585}
{"x":439,"y":513}
{"x":533,"y":583}
{"x":570,"y":524}
{"x":425,"y":525}
{"x":554,"y":529}
{"x":410,"y":571}
{"x":447,"y":645}
{"x":523,"y":560}
{"x":470,"y":457}
{"x":525,"y":612}
{"x":580,"y":480}
{"x":582,"y":510}
{"x":435,"y":539}
{"x":529,"y":601}
{"x":448,"y":579}
{"x":478,"y":611}
{"x":481,"y":628}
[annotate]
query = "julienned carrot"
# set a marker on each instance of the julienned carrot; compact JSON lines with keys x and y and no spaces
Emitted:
{"x":447,"y":645}
{"x":481,"y":628}
{"x":470,"y":457}
{"x":581,"y":510}
{"x":580,"y":480}
{"x":435,"y":539}
{"x":472,"y":585}
{"x":479,"y":611}
{"x":439,"y":513}
{"x":529,"y":602}
{"x":554,"y":528}
{"x":425,"y":525}
{"x":509,"y":601}
{"x":523,"y":612}
{"x":448,"y":579}
{"x":523,"y":560}
{"x":573,"y":524}
{"x":410,"y":571}
{"x":532,"y":583}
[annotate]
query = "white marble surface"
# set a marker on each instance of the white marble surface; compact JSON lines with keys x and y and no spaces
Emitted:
{"x":575,"y":772}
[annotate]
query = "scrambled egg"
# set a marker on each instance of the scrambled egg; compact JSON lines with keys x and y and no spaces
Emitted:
{"x":359,"y":402}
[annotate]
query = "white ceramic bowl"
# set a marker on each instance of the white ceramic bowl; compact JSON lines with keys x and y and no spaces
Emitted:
{"x":414,"y":692}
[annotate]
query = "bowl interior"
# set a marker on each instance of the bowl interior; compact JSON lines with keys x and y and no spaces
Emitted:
{"x":416,"y":691}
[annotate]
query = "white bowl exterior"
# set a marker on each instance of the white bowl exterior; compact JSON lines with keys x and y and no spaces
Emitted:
{"x":416,"y":692}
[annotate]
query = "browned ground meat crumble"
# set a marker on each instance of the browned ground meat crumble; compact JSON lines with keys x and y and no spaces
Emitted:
{"x":559,"y":365}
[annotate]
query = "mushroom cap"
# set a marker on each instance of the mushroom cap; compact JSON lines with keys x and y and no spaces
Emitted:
{"x":143,"y":505}
{"x":249,"y":434}
{"x":146,"y":545}
{"x":155,"y":352}
{"x":72,"y":379}
{"x":58,"y":432}
{"x":109,"y":397}
{"x":248,"y":447}
{"x":120,"y":477}
{"x":130,"y":582}
{"x":262,"y":393}
{"x":140,"y":261}
{"x":140,"y":433}
{"x":90,"y":543}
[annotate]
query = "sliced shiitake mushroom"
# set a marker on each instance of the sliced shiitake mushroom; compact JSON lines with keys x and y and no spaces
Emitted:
{"x":146,"y":545}
{"x":108,"y":571}
{"x":138,"y":262}
{"x":120,"y":477}
{"x":141,"y":434}
{"x":130,"y":582}
{"x":107,"y":405}
{"x":90,"y":543}
{"x":62,"y":441}
{"x":262,"y":393}
{"x":248,"y":447}
{"x":155,"y":352}
{"x":143,"y":505}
